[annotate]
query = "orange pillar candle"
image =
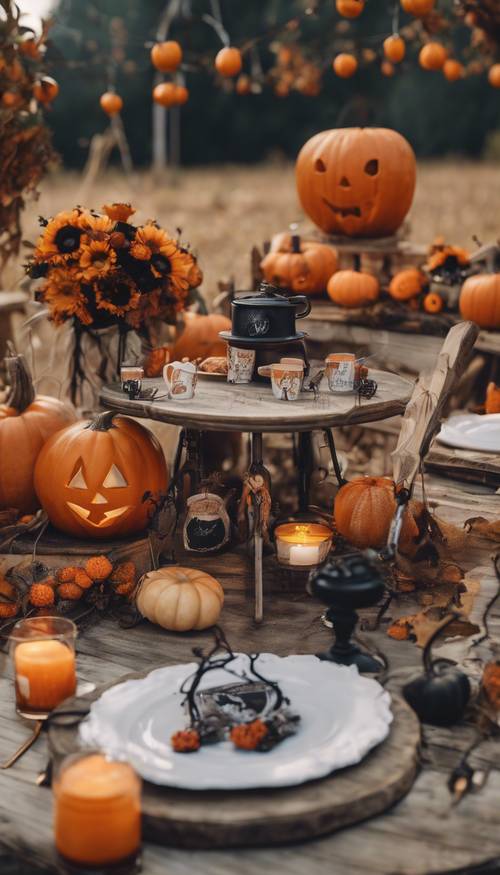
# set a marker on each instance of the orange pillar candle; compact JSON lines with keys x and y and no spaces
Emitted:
{"x":45,"y":674}
{"x":97,"y":818}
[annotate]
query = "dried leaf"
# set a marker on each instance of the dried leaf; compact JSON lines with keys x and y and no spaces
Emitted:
{"x":491,"y":684}
{"x":486,"y":528}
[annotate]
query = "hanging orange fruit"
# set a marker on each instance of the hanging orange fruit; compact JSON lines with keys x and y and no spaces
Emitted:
{"x":110,"y":102}
{"x":387,"y":68}
{"x":243,"y":84}
{"x":166,"y":56}
{"x":11,"y":99}
{"x":228,"y":61}
{"x":453,"y":70}
{"x":181,"y":95}
{"x":418,"y":7}
{"x":433,"y":303}
{"x":345,"y":65}
{"x":394,"y":48}
{"x":432,"y":56}
{"x":494,"y":75}
{"x":45,"y":89}
{"x":350,"y":8}
{"x":165,"y":94}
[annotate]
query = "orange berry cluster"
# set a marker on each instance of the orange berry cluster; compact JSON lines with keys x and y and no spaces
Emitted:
{"x":185,"y":741}
{"x":248,"y":736}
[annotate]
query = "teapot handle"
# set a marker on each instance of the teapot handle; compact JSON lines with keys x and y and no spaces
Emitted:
{"x":301,"y":299}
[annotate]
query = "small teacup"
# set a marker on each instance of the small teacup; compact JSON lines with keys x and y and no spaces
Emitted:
{"x":180,"y":378}
{"x":240,"y":364}
{"x":340,"y":371}
{"x":286,"y":381}
{"x":295,"y":361}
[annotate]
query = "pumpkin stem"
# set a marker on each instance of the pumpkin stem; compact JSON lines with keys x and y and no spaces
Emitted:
{"x":295,"y":243}
{"x":22,"y":391}
{"x":427,"y":655}
{"x":103,"y":422}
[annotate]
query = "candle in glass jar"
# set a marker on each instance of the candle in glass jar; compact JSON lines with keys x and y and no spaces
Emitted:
{"x":97,"y":817}
{"x":45,"y":674}
{"x":303,"y":544}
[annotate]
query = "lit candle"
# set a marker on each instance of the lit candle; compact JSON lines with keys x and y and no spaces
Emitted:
{"x":45,"y":674}
{"x":303,"y":544}
{"x":304,"y":554}
{"x":97,"y":816}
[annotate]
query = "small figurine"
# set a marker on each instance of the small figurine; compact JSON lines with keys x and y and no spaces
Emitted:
{"x":255,"y":503}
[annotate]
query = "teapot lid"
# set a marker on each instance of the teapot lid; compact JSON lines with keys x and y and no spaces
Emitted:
{"x":267,"y":294}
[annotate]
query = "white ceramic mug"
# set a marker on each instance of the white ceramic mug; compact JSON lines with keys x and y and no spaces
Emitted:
{"x":240,"y":364}
{"x":286,"y":381}
{"x":180,"y":378}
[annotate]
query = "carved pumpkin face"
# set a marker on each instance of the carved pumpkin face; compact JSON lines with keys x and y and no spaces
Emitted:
{"x":357,"y":182}
{"x":92,"y":479}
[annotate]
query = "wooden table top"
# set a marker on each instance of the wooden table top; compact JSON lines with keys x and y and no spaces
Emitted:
{"x":420,"y":835}
{"x":220,"y":406}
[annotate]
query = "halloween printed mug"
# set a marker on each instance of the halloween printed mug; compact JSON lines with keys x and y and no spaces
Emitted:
{"x":240,"y":364}
{"x":286,"y":381}
{"x":180,"y":378}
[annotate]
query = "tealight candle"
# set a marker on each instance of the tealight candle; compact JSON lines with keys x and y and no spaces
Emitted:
{"x":43,"y":655}
{"x":303,"y":544}
{"x":97,"y":813}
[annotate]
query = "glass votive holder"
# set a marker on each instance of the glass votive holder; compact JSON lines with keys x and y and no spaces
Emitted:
{"x":43,"y":656}
{"x":97,"y":815}
{"x":302,"y":545}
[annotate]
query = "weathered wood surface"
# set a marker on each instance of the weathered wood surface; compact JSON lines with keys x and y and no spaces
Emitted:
{"x":272,"y":817}
{"x":219,"y":406}
{"x":420,"y":835}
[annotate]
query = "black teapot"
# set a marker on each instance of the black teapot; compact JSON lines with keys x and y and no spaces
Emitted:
{"x":266,"y":316}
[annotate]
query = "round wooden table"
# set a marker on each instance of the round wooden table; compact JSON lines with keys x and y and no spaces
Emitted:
{"x":221,"y":406}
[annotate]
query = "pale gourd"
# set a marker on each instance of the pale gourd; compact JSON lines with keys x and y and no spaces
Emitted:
{"x":180,"y":599}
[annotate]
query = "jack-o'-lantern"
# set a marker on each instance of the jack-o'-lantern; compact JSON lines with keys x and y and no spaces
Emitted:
{"x":300,"y":265}
{"x":91,"y":477}
{"x":357,"y":182}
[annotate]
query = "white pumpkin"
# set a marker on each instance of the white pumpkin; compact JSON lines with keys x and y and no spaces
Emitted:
{"x":180,"y":599}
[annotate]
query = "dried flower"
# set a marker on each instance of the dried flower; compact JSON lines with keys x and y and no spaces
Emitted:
{"x":185,"y":741}
{"x":118,"y":212}
{"x":248,"y":736}
{"x":69,"y":591}
{"x":82,"y":578}
{"x":41,"y":595}
{"x":98,"y":567}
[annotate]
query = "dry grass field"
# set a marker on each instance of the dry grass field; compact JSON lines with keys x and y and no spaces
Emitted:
{"x":224,"y":210}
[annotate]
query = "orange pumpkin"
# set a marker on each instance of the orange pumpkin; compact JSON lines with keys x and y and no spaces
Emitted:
{"x":350,"y":8}
{"x":352,"y":288}
{"x":480,"y":300}
{"x":494,"y":75}
{"x":407,"y":284}
{"x":111,"y":103}
{"x":45,"y":89}
{"x":419,"y":8}
{"x":356,"y":181}
{"x":200,"y":337}
{"x":91,"y":477}
{"x":228,"y":61}
{"x":166,"y":56}
{"x":302,"y":266}
{"x":432,"y":56}
{"x":492,"y":404}
{"x":26,"y":422}
{"x":165,"y":94}
{"x":453,"y":70}
{"x":387,"y":69}
{"x":433,"y":303}
{"x":394,"y":48}
{"x":363,"y":512}
{"x":345,"y":65}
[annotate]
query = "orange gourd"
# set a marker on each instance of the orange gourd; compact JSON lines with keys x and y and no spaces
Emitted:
{"x":181,"y":95}
{"x":45,"y":90}
{"x":111,"y":103}
{"x":352,"y":288}
{"x":228,"y":61}
{"x":345,"y":65}
{"x":166,"y":56}
{"x":494,"y":75}
{"x":453,"y":70}
{"x":394,"y":48}
{"x":480,"y":300}
{"x":407,"y":284}
{"x":165,"y":94}
{"x":180,"y":599}
{"x":200,"y":337}
{"x":363,"y":512}
{"x":419,"y":8}
{"x":357,"y":182}
{"x":350,"y":8}
{"x":91,"y":477}
{"x":492,"y":404}
{"x":432,"y":56}
{"x":302,"y":266}
{"x":433,"y":303}
{"x":26,"y":422}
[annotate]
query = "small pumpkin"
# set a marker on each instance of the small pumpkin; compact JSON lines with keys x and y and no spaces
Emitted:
{"x":363,"y":512}
{"x":407,"y":284}
{"x":166,"y":56}
{"x":352,"y":288}
{"x":180,"y":599}
{"x":228,"y":61}
{"x":45,"y":90}
{"x":453,"y":70}
{"x":26,"y":422}
{"x":181,"y":95}
{"x":394,"y":48}
{"x":432,"y":56}
{"x":492,"y":404}
{"x":345,"y":65}
{"x":419,"y":8}
{"x":111,"y":103}
{"x":91,"y":477}
{"x":480,"y":300}
{"x":494,"y":75}
{"x":350,"y":8}
{"x":300,"y":265}
{"x":200,"y":337}
{"x":433,"y":303}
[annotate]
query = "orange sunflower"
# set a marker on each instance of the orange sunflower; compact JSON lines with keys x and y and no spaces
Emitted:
{"x":61,"y":238}
{"x":118,"y":294}
{"x":119,"y":212}
{"x":442,"y":254}
{"x":97,"y":226}
{"x":167,"y":259}
{"x":97,"y":258}
{"x":63,"y":295}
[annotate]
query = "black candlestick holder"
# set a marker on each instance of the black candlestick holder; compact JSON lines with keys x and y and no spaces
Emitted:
{"x":345,"y":584}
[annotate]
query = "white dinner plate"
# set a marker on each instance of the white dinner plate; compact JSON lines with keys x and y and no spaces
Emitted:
{"x":343,"y":715}
{"x":469,"y":431}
